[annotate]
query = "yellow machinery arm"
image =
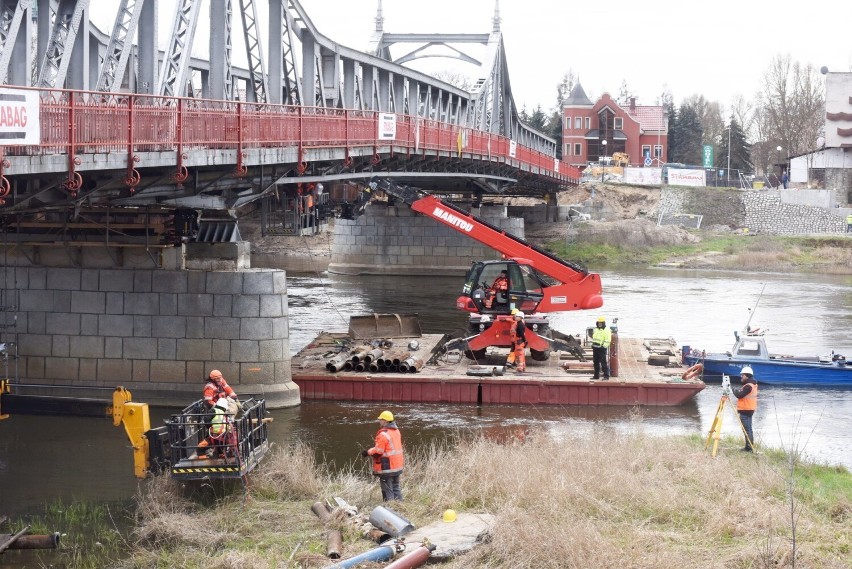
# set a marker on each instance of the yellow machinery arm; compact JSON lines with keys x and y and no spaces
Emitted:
{"x":136,"y":421}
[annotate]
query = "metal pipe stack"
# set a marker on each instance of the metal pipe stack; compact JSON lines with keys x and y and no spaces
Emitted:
{"x":375,"y":360}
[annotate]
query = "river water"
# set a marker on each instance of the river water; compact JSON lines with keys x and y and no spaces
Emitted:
{"x":46,"y":459}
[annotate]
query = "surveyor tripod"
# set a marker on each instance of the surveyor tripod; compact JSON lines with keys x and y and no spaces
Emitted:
{"x":716,"y":426}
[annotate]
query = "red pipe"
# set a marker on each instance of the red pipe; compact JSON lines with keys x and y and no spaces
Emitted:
{"x":414,"y":559}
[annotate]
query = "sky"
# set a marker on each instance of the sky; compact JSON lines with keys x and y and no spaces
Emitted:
{"x":716,"y":49}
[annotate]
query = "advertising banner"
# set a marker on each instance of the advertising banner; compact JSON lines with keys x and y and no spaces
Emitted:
{"x":19,"y":117}
{"x":513,"y":148}
{"x":643,"y":176}
{"x":683,"y":177}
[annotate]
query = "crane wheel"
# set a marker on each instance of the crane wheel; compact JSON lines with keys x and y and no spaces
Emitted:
{"x":476,"y":355}
{"x":540,"y":356}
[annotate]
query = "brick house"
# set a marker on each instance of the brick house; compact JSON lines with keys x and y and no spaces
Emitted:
{"x":640,"y":131}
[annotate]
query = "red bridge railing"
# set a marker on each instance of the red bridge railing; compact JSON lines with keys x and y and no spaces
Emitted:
{"x":86,"y":122}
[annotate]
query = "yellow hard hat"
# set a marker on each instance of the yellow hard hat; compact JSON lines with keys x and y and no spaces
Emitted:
{"x":449,"y":516}
{"x":601,"y":319}
{"x":386,"y":416}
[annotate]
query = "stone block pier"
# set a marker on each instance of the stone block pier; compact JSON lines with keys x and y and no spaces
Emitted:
{"x":157,"y":332}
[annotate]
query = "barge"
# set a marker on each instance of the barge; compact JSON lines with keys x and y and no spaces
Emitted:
{"x":644,"y":372}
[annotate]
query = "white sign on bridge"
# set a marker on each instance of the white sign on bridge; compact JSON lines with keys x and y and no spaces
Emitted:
{"x":387,"y":126}
{"x":19,"y":118}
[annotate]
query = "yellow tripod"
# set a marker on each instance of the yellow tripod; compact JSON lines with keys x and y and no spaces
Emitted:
{"x":716,"y":427}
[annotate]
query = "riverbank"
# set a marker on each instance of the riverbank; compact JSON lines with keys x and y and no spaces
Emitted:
{"x":609,"y":499}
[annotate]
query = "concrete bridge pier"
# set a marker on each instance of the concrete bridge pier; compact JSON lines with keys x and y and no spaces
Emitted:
{"x":396,"y":240}
{"x":157,"y":331}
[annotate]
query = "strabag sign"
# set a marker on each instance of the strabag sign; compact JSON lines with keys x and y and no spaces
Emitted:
{"x":387,"y":126}
{"x":687,"y":177}
{"x":19,"y":117}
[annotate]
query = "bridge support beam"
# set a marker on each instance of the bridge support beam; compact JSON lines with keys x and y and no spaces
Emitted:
{"x":157,"y":332}
{"x":396,"y":240}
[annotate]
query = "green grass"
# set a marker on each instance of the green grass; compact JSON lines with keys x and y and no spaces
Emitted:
{"x":765,"y":252}
{"x":91,"y":534}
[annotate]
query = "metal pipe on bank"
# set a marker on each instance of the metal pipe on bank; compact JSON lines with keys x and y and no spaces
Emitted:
{"x":414,"y":559}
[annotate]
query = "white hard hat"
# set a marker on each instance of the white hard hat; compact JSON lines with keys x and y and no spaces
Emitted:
{"x":747,"y":370}
{"x":519,"y":314}
{"x":222,"y":403}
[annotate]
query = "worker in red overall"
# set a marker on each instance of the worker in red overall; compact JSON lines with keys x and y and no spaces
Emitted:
{"x":517,"y":357}
{"x":215,"y":388}
{"x":498,"y":287}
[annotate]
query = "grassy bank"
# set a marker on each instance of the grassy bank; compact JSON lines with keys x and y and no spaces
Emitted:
{"x":831,"y":255}
{"x":609,"y":499}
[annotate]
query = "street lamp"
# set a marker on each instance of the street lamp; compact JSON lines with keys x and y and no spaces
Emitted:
{"x":603,"y":168}
{"x":729,"y":157}
{"x":778,"y":148}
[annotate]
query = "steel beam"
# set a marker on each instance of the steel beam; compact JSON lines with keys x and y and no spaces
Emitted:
{"x":63,"y":40}
{"x":12,"y":15}
{"x":219,"y":81}
{"x":257,"y":87}
{"x":120,"y":44}
{"x":173,"y":76}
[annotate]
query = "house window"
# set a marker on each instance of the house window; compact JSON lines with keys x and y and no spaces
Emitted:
{"x":567,"y":151}
{"x":567,"y":123}
{"x":578,"y":123}
{"x":619,"y":123}
{"x":588,"y":123}
{"x":658,"y":152}
{"x":578,"y":148}
{"x":646,"y":151}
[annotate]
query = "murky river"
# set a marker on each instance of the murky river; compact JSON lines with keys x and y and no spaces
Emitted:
{"x":43,"y":458}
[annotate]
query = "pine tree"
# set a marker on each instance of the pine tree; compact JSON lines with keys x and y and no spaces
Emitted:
{"x":688,"y":133}
{"x":672,"y":134}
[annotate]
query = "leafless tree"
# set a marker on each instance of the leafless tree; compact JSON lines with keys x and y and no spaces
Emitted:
{"x":790,"y":107}
{"x":455,"y":78}
{"x":569,"y":79}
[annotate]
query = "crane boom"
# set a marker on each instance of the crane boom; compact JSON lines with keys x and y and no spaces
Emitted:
{"x":578,"y":289}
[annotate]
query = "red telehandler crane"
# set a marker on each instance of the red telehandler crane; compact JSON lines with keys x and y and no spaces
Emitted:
{"x":539,"y":282}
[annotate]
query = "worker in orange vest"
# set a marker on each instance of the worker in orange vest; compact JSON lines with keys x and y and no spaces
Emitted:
{"x":518,"y":357}
{"x":747,"y":405}
{"x":387,"y":457}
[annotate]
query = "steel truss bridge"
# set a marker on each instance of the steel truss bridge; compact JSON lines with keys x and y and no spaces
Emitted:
{"x":124,"y":134}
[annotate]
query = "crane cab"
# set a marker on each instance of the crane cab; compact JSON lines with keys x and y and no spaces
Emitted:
{"x":486,"y":292}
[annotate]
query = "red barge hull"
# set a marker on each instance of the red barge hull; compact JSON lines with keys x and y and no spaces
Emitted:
{"x":544,"y":383}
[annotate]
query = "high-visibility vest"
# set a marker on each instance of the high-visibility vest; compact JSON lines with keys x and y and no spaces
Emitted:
{"x":601,"y":337}
{"x":387,"y":454}
{"x":219,"y":424}
{"x":849,"y":219}
{"x":748,"y":402}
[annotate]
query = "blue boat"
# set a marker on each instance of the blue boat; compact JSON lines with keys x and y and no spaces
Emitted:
{"x":771,"y":369}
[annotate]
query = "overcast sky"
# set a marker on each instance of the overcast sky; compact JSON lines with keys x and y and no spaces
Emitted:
{"x":717,"y":49}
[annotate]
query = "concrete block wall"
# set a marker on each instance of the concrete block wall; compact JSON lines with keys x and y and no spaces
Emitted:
{"x":157,"y":332}
{"x":397,"y":240}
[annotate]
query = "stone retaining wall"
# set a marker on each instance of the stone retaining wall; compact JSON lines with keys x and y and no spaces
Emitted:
{"x":397,"y":240}
{"x":157,"y":332}
{"x":760,"y":211}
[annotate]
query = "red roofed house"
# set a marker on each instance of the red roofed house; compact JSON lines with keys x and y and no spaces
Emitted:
{"x":640,"y":131}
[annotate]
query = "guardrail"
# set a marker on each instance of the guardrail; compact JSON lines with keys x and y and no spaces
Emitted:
{"x":88,"y":122}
